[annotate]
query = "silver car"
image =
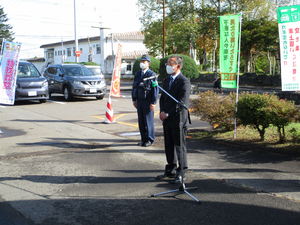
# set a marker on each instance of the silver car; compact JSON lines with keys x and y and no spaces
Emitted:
{"x":31,"y":85}
{"x":74,"y":80}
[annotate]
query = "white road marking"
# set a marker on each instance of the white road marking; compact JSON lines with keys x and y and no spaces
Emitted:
{"x":130,"y":134}
{"x":62,"y":103}
{"x":2,"y":106}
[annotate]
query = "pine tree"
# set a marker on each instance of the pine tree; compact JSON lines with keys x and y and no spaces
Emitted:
{"x":5,"y":29}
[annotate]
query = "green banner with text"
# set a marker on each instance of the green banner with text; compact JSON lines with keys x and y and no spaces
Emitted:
{"x":229,"y":45}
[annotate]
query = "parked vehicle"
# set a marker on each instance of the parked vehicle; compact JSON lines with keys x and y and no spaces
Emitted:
{"x":31,"y":85}
{"x":75,"y":80}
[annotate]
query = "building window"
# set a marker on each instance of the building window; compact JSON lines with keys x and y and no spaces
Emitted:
{"x":50,"y":55}
{"x":98,"y":49}
{"x":128,"y":67}
{"x":74,"y":49}
{"x":55,"y":53}
{"x":64,"y":52}
{"x":81,"y":50}
{"x":69,"y":52}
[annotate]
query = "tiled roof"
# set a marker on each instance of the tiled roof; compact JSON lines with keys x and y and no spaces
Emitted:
{"x":129,"y":55}
{"x":129,"y":36}
{"x":133,"y":54}
{"x":118,"y":36}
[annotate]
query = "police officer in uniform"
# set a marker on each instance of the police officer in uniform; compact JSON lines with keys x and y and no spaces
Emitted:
{"x":144,"y":97}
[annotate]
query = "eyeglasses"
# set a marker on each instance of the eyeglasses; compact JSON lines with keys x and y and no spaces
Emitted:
{"x":170,"y":64}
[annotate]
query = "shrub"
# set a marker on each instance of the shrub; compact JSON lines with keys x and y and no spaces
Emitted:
{"x":252,"y":110}
{"x":189,"y":69}
{"x":282,"y":112}
{"x":154,"y":65}
{"x":295,"y":135}
{"x":90,"y":63}
{"x":216,"y":109}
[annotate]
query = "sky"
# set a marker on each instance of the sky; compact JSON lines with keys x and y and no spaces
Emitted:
{"x":38,"y":22}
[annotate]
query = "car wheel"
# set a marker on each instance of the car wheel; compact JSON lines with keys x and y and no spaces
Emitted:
{"x":100,"y":97}
{"x":67,"y":94}
{"x":42,"y":100}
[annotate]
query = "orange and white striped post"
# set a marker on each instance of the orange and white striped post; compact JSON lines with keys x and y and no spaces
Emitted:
{"x":109,"y":115}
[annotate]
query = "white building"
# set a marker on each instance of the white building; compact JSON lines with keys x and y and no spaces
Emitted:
{"x":99,"y":51}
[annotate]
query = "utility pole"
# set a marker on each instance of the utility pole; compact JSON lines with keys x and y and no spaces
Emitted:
{"x":75,"y":34}
{"x":163,"y":2}
{"x":102,"y":40}
{"x":164,"y":29}
{"x":62,"y":51}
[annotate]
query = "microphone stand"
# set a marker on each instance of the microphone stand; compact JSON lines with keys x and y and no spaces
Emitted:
{"x":182,"y":188}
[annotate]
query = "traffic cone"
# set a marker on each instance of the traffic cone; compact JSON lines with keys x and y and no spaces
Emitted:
{"x":109,"y":112}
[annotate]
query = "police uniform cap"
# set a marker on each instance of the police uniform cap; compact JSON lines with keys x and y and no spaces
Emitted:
{"x":145,"y":58}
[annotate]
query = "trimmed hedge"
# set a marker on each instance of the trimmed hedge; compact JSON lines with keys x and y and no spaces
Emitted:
{"x":189,"y":69}
{"x":154,"y":65}
{"x":217,"y":110}
{"x":259,"y":111}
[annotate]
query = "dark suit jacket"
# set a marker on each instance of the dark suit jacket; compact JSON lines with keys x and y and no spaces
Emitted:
{"x":143,"y":90}
{"x":180,"y":90}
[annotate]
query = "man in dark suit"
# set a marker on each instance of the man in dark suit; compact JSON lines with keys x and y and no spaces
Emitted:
{"x":179,"y":87}
{"x":144,"y":97}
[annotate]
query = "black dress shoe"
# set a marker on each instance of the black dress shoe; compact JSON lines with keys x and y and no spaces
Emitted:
{"x":165,"y":177}
{"x":178,"y":179}
{"x":147,"y":144}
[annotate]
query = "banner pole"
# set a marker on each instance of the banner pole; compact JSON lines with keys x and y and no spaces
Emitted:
{"x":238,"y":77}
{"x":2,"y":44}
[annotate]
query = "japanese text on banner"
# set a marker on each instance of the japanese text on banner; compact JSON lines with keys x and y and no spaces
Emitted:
{"x":289,"y":34}
{"x":8,"y":70}
{"x":116,"y":76}
{"x":229,"y":44}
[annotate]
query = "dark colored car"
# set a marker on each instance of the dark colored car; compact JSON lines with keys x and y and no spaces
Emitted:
{"x":31,"y":85}
{"x":74,"y":80}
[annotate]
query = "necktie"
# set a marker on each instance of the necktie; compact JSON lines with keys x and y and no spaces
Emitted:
{"x":171,"y":82}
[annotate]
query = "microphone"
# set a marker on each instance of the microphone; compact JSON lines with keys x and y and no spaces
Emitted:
{"x":150,"y":78}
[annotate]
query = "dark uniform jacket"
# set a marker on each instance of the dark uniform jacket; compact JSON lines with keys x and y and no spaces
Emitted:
{"x":180,"y":90}
{"x":144,"y":90}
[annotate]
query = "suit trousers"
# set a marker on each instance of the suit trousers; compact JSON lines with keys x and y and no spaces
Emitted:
{"x":174,"y":152}
{"x":146,"y":121}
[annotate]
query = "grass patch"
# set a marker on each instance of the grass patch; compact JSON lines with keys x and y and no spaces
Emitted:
{"x":249,"y":136}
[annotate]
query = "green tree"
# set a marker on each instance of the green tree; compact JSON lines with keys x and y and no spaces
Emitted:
{"x":258,"y":36}
{"x":154,"y":65}
{"x":5,"y":29}
{"x":189,"y":68}
{"x":193,"y":26}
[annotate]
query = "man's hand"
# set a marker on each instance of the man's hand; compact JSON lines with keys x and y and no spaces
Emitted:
{"x":134,"y":104}
{"x":163,"y":116}
{"x":152,"y":107}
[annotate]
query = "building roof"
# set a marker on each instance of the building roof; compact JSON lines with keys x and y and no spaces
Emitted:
{"x":36,"y":59}
{"x":134,"y":54}
{"x":117,"y":36}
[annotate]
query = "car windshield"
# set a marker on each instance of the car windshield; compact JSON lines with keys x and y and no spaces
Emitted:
{"x":77,"y":71}
{"x":95,"y":70}
{"x":27,"y":70}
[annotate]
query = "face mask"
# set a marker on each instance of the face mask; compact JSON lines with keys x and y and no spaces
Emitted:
{"x":143,"y":66}
{"x":169,"y":69}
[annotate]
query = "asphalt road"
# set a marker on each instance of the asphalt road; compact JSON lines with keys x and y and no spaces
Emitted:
{"x":61,"y":165}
